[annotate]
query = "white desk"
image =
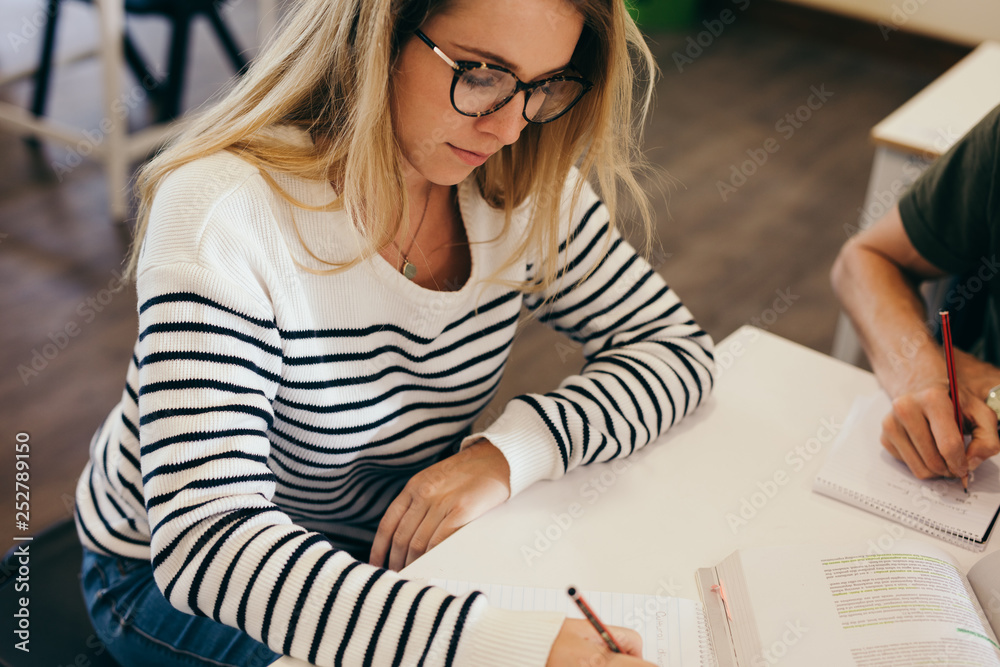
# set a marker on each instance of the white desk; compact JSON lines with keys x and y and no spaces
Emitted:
{"x":644,"y":525}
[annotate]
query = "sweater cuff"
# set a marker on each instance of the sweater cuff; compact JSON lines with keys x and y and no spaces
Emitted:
{"x":530,"y":451}
{"x":504,"y":638}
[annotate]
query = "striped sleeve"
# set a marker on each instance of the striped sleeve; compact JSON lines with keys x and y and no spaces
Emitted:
{"x":647,"y":363}
{"x":210,"y":361}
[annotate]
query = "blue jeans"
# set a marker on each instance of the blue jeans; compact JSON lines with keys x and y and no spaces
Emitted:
{"x":139,"y":627}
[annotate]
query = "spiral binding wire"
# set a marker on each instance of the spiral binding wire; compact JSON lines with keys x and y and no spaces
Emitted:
{"x":906,"y":517}
{"x":705,"y":649}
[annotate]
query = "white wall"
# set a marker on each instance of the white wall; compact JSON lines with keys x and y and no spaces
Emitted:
{"x":962,"y":21}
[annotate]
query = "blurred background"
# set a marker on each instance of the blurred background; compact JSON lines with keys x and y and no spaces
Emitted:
{"x":763,"y":117}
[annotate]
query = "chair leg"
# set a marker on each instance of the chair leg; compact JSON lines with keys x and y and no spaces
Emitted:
{"x":139,"y":67}
{"x":116,"y":162}
{"x":174,"y":84}
{"x":226,"y":38}
{"x":44,"y":71}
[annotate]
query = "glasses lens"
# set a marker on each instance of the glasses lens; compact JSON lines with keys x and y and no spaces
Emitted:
{"x":552,"y":100}
{"x":480,"y":90}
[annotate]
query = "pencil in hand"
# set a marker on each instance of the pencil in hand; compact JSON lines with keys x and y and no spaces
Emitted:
{"x":589,"y":614}
{"x":949,"y":359}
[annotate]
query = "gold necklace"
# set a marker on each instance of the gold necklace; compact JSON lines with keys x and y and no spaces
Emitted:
{"x":408,"y":270}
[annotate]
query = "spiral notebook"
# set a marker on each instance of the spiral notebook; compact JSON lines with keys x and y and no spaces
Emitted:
{"x":674,"y":630}
{"x":859,"y":471}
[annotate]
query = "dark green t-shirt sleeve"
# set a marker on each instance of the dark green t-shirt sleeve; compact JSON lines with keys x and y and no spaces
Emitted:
{"x":948,"y":211}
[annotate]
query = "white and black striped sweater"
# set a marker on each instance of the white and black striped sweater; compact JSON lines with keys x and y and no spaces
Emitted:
{"x":270,"y":415}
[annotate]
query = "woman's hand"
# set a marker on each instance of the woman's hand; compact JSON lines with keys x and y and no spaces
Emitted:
{"x":921,"y":431}
{"x":439,"y":500}
{"x":579,"y":644}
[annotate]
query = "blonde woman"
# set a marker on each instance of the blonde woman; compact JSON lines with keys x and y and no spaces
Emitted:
{"x":330,"y":265}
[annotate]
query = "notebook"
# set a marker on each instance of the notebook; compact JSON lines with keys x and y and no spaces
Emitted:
{"x":674,"y":630}
{"x":859,"y":471}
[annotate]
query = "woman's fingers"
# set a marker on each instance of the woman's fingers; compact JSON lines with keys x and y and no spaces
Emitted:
{"x":407,"y":528}
{"x":579,"y":644}
{"x":387,"y":529}
{"x":629,"y":641}
{"x":439,"y":500}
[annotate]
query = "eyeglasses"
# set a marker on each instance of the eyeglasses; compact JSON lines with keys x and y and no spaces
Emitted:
{"x":479,"y":89}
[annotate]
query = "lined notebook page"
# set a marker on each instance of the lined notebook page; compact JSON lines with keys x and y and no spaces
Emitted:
{"x":859,"y":471}
{"x":674,"y":631}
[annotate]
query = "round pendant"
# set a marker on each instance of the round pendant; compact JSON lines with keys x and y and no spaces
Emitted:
{"x":409,"y":271}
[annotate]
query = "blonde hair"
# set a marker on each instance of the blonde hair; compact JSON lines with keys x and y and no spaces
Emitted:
{"x":316,"y":75}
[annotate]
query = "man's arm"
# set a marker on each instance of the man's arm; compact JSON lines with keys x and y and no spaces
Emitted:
{"x":876,"y":277}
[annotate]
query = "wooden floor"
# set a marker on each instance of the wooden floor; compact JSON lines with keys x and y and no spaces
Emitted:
{"x":67,"y":335}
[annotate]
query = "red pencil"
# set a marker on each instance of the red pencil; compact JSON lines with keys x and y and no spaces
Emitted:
{"x":594,"y":621}
{"x":949,"y":358}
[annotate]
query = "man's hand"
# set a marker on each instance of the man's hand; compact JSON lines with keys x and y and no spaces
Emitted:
{"x":579,"y":644}
{"x":876,"y":277}
{"x":921,"y":430}
{"x":439,"y":500}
